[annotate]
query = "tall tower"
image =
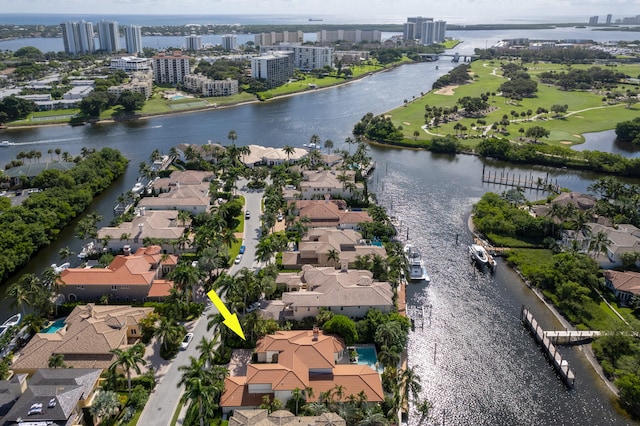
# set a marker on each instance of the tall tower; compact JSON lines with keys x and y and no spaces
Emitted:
{"x":428,"y":33}
{"x":109,"y":36}
{"x":133,"y":38}
{"x":78,"y":37}
{"x":193,"y":42}
{"x":440,"y":31}
{"x":229,"y":42}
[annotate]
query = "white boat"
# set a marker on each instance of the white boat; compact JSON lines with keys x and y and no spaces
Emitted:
{"x":14,"y":320}
{"x":59,"y":268}
{"x":479,"y":254}
{"x":137,"y":188}
{"x":417,"y":270}
{"x":6,"y":143}
{"x":87,"y":250}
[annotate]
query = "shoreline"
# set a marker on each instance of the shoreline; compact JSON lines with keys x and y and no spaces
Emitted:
{"x":9,"y":127}
{"x":585,"y":349}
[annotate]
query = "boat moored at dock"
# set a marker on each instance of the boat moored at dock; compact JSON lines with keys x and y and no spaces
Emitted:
{"x":14,"y":320}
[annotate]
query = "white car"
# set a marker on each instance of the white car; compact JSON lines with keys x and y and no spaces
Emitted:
{"x":252,"y":307}
{"x":238,"y":259}
{"x":185,"y":342}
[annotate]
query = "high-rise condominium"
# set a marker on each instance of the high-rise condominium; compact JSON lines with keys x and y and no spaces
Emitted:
{"x":78,"y":37}
{"x":133,"y":38}
{"x":109,"y":36}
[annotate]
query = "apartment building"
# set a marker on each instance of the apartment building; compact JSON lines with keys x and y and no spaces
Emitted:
{"x":78,"y":37}
{"x":170,"y":67}
{"x":275,"y":68}
{"x":304,"y":57}
{"x":229,"y":42}
{"x":201,"y":84}
{"x":133,"y":38}
{"x":109,"y":36}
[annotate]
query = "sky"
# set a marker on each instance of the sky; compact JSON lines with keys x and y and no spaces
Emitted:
{"x":472,"y":11}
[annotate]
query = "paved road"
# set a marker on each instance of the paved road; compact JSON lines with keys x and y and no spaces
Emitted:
{"x":164,"y":400}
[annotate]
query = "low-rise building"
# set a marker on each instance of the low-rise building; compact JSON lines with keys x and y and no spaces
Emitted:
{"x":160,"y":226}
{"x":86,"y":339}
{"x":326,"y":214}
{"x":320,"y":245}
{"x":625,"y":285}
{"x":268,"y":156}
{"x":141,"y":82}
{"x":262,"y":417}
{"x":207,"y":87}
{"x":343,"y":291}
{"x":55,"y":397}
{"x":316,"y":184}
{"x":130,"y":64}
{"x":623,"y":238}
{"x":289,"y":360}
{"x":183,"y":190}
{"x":129,"y":277}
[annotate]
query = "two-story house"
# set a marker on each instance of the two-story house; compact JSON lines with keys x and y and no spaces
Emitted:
{"x":302,"y":359}
{"x":129,"y":277}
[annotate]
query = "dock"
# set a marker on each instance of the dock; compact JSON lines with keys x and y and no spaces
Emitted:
{"x":418,"y":314}
{"x":519,"y":181}
{"x":559,"y":364}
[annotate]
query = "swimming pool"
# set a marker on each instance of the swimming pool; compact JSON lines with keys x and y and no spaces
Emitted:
{"x":57,"y":325}
{"x":176,"y":97}
{"x":367,"y":356}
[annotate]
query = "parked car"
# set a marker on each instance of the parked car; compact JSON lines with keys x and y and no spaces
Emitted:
{"x":242,"y":249}
{"x":185,"y":342}
{"x":238,"y":259}
{"x":280,"y":217}
{"x":247,"y":214}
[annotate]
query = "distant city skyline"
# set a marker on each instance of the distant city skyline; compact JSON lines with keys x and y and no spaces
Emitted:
{"x":462,"y":10}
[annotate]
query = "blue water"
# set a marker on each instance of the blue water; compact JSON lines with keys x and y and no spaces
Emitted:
{"x":367,"y":356}
{"x":57,"y":325}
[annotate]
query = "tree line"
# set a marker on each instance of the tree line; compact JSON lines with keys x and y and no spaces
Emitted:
{"x":64,"y":195}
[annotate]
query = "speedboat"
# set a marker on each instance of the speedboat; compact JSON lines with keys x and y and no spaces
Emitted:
{"x":137,"y":188}
{"x":479,"y":254}
{"x":59,"y":268}
{"x":87,"y":250}
{"x":6,"y":143}
{"x":417,"y":270}
{"x":14,"y":320}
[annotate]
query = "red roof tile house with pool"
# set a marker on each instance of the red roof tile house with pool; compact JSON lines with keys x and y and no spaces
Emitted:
{"x":299,"y":359}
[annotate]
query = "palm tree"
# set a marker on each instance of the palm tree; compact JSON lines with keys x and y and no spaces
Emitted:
{"x":129,"y":359}
{"x":328,"y":145}
{"x":297,"y":395}
{"x":168,"y":332}
{"x":56,"y":360}
{"x":288,"y":149}
{"x":105,"y":404}
{"x":21,"y":292}
{"x":372,"y":418}
{"x":333,"y":256}
{"x":232,"y":136}
{"x":185,"y":276}
{"x":600,"y":243}
{"x":207,"y":350}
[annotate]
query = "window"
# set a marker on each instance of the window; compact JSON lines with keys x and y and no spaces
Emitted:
{"x":114,"y":288}
{"x":80,"y":287}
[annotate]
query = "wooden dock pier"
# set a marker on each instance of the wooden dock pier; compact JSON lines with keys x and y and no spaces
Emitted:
{"x":520,"y":181}
{"x":561,"y":366}
{"x":418,"y":315}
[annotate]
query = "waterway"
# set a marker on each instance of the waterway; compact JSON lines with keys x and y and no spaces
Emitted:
{"x":478,"y":364}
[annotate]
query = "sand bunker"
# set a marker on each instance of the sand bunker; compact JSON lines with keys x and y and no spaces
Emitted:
{"x":406,"y":123}
{"x":566,"y":142}
{"x":446,"y":90}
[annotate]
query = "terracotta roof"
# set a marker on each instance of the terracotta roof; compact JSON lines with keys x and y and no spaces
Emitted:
{"x":91,"y":332}
{"x":236,"y":394}
{"x":300,"y":355}
{"x":160,"y":288}
{"x":327,"y":213}
{"x":136,"y":269}
{"x":624,"y":281}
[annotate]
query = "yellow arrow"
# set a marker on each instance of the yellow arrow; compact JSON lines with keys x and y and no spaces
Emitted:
{"x":230,"y":320}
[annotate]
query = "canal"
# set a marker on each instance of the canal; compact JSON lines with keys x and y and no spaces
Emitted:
{"x":478,"y":364}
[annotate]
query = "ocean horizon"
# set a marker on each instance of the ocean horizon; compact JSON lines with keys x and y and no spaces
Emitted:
{"x":260,"y":19}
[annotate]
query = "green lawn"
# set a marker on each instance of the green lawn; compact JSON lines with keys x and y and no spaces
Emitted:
{"x":487,"y":78}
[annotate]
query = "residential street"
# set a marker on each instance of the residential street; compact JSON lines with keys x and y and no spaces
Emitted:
{"x":164,"y":400}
